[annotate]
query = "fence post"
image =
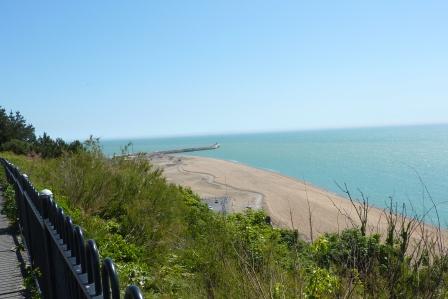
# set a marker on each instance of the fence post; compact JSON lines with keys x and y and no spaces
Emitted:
{"x":133,"y":292}
{"x":45,"y":198}
{"x":93,"y":266}
{"x":110,"y":280}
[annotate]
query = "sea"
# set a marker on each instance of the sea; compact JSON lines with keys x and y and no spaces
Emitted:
{"x":408,"y":164}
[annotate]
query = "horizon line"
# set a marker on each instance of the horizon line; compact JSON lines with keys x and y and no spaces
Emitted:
{"x":205,"y":134}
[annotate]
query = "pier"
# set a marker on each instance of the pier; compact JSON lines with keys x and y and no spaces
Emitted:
{"x":173,"y":151}
{"x":186,"y":150}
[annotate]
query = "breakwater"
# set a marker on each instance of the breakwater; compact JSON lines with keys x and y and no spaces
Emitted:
{"x":173,"y":151}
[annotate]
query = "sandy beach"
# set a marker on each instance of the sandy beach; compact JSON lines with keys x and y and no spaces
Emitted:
{"x":288,"y":201}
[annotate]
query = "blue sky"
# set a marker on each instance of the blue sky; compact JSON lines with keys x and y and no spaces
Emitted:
{"x":157,"y":68}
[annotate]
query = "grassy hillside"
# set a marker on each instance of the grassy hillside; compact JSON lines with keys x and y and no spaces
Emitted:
{"x":163,"y":239}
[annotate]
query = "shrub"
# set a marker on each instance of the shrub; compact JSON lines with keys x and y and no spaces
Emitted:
{"x":9,"y":207}
{"x":16,"y":146}
{"x":321,"y":284}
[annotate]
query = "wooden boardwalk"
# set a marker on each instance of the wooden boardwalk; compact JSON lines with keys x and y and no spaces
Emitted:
{"x":12,"y":262}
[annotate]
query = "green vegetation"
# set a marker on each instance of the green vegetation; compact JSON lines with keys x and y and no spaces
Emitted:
{"x":163,"y":239}
{"x":9,"y":207}
{"x":18,"y":137}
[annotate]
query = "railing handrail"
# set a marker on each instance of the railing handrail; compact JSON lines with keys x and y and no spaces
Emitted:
{"x":56,"y":246}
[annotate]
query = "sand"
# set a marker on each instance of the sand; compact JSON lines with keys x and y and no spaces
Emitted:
{"x":288,"y":201}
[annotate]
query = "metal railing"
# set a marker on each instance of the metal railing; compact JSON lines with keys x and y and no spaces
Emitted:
{"x":69,"y":266}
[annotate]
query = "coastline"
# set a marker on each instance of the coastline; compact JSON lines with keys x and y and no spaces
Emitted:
{"x":288,"y":201}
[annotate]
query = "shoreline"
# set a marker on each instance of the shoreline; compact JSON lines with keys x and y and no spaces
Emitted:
{"x":274,"y":172}
{"x":287,"y":200}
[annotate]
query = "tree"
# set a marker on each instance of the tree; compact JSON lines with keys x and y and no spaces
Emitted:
{"x":18,"y":136}
{"x":49,"y":148}
{"x":13,"y":126}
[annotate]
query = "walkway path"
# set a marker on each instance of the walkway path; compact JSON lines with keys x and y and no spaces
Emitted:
{"x":11,"y":262}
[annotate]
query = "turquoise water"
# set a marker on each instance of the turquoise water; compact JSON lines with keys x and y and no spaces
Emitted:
{"x":381,"y":162}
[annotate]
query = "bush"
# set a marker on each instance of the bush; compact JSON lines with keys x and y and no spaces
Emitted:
{"x":16,"y":146}
{"x":321,"y":284}
{"x":9,"y":207}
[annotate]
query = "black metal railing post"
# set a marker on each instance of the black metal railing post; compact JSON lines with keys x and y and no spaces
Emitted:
{"x":46,"y":288}
{"x":111,"y":286}
{"x":93,"y":266}
{"x":133,"y":292}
